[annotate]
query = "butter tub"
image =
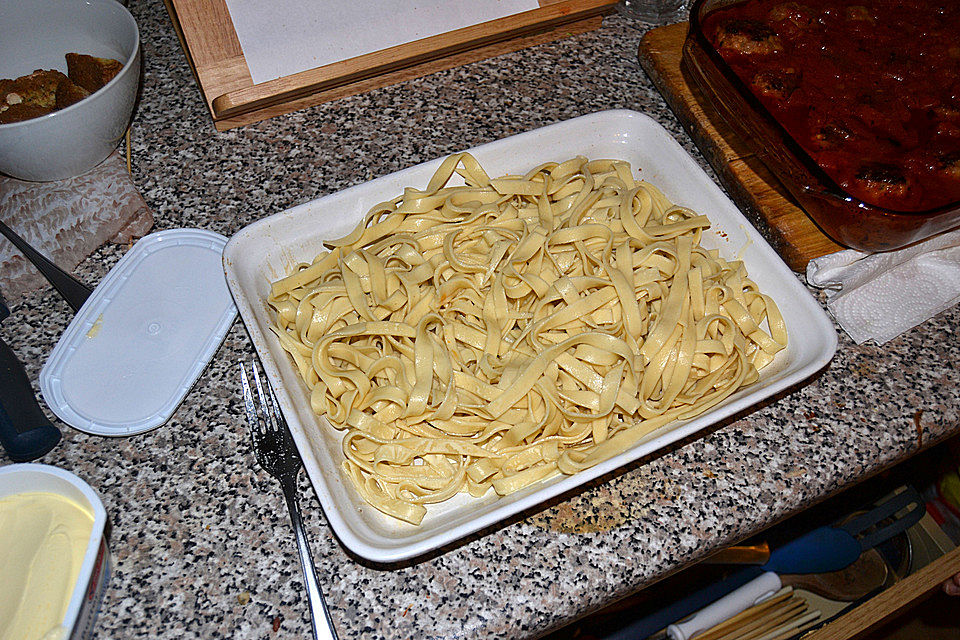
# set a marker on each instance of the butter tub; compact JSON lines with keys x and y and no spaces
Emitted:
{"x":91,"y":584}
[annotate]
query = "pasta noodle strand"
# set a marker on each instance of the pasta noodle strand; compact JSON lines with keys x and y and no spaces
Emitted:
{"x":490,"y":335}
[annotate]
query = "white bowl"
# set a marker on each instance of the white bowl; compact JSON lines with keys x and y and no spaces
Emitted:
{"x":36,"y":34}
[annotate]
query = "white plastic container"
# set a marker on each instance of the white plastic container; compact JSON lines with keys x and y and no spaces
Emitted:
{"x":143,"y":337}
{"x":78,"y":622}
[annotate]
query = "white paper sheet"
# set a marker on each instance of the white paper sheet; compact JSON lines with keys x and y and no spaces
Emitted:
{"x":283,"y":37}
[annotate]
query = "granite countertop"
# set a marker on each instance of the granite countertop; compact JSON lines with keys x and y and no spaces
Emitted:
{"x":201,"y":539}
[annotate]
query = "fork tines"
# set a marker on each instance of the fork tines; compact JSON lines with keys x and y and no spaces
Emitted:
{"x":265,"y":430}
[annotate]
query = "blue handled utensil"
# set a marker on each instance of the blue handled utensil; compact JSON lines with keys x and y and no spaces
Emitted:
{"x":826,"y":549}
{"x":25,"y":432}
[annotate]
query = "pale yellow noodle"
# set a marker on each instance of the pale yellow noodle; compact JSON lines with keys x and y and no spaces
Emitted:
{"x":493,"y":334}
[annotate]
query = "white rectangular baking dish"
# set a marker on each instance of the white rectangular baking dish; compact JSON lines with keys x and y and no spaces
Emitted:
{"x":268,"y":249}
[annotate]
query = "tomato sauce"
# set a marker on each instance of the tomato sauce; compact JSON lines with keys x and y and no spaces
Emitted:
{"x":869,"y":89}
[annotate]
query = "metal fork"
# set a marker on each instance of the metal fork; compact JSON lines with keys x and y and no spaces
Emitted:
{"x":277,"y":454}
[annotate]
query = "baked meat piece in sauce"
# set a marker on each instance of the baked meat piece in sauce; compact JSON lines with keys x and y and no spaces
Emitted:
{"x":948,"y":164}
{"x":777,"y":85}
{"x":748,"y":37}
{"x":881,"y":180}
{"x":791,"y":18}
{"x":832,"y":135}
{"x":870,"y":91}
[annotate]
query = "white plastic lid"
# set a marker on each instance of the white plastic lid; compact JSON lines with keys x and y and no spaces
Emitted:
{"x":141,"y":340}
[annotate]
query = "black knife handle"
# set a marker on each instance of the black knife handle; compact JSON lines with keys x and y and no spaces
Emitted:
{"x":25,"y":432}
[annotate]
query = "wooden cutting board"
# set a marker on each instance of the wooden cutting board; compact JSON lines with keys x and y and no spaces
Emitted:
{"x":213,"y":50}
{"x":750,"y":184}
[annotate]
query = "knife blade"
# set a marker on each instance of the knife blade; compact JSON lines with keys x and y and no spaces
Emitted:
{"x":25,"y":432}
{"x":69,"y":288}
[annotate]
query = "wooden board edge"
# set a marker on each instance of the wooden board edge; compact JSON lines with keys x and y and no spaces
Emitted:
{"x":409,"y":73}
{"x":884,"y":606}
{"x":548,"y":18}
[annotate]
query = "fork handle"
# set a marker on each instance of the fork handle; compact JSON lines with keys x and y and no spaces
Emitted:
{"x":319,"y":616}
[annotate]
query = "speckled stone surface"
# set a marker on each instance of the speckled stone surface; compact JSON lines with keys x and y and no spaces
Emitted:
{"x":202,"y":540}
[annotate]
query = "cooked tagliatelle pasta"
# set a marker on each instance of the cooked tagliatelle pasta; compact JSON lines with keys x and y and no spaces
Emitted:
{"x":491,"y":334}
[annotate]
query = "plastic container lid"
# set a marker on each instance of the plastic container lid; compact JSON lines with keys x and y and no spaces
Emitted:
{"x":141,"y":340}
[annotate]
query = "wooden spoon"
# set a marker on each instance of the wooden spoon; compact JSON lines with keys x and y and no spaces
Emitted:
{"x":868,"y":573}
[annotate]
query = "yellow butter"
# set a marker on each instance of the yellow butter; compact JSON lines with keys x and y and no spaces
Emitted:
{"x":43,"y":538}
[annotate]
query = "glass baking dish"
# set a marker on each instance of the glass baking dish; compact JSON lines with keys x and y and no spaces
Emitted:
{"x":845,"y":218}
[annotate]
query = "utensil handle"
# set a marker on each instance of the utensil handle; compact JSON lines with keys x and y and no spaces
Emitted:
{"x":693,"y":601}
{"x":741,"y":554}
{"x":319,"y":615}
{"x":730,"y":605}
{"x":818,"y":551}
{"x":25,"y":432}
{"x":71,"y":289}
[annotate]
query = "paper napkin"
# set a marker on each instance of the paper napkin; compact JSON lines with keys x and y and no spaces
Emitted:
{"x":878,"y":296}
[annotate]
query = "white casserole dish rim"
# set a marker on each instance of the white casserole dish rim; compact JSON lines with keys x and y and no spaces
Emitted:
{"x":265,"y":250}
